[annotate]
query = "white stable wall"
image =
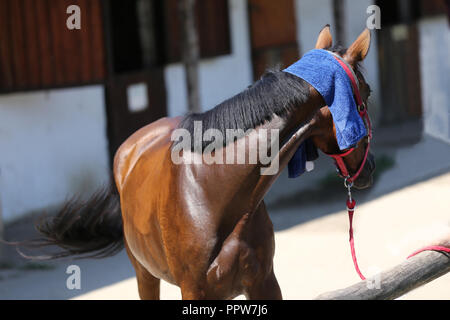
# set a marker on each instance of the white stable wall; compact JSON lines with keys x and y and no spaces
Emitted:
{"x":53,"y":144}
{"x":220,"y":77}
{"x":434,"y":47}
{"x":312,"y":16}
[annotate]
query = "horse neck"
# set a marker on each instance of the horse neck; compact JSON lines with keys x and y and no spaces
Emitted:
{"x":292,"y":132}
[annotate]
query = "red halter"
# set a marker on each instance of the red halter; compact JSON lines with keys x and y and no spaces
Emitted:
{"x":362,"y":109}
{"x":339,"y":158}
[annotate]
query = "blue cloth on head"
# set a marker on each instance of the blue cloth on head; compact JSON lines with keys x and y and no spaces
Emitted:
{"x":322,"y":71}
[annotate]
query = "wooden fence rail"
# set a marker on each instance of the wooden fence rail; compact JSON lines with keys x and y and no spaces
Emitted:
{"x":401,"y":279}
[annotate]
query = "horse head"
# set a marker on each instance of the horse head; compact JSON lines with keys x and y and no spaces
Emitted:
{"x":355,"y":164}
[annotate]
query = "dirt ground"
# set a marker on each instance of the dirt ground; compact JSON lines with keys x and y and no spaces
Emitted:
{"x":314,"y":257}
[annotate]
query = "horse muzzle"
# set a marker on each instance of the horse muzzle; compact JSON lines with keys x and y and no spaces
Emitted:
{"x":365,"y":179}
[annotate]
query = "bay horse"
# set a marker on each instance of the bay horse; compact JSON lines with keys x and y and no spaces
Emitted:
{"x":204,"y":227}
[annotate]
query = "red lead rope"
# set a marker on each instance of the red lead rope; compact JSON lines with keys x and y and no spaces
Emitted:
{"x":430,"y":248}
{"x":351,"y":203}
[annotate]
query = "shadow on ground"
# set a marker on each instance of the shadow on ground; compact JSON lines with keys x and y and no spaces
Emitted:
{"x":22,"y":278}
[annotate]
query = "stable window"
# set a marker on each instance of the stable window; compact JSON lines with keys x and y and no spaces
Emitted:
{"x":408,"y":12}
{"x":146,"y":33}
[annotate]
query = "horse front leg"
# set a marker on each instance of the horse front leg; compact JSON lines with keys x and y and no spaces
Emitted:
{"x":261,"y":239}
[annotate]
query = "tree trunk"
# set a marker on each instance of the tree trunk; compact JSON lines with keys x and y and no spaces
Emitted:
{"x":190,"y":52}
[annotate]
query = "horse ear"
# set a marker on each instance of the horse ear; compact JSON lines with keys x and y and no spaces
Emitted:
{"x":359,"y":49}
{"x":325,"y":40}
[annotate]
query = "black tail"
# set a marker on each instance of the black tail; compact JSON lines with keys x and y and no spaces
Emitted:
{"x":89,"y":229}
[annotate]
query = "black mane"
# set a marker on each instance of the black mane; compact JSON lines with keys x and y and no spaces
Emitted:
{"x":276,"y":93}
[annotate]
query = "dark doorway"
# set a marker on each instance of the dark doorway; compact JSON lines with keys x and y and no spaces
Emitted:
{"x":135,"y":87}
{"x":398,"y":52}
